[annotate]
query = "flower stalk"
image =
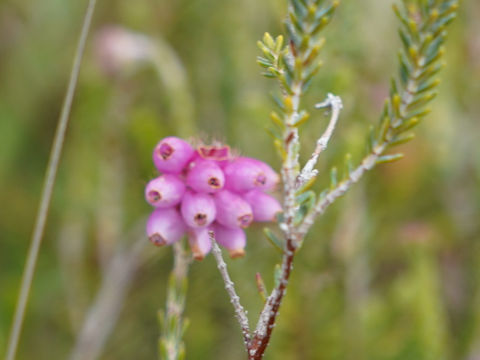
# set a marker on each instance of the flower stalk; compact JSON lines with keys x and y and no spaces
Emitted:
{"x":172,"y":322}
{"x":230,"y":287}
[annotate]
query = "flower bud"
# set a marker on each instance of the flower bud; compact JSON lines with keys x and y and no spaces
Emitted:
{"x":198,"y":209}
{"x":232,"y":210}
{"x":199,"y":241}
{"x":172,"y":154}
{"x":164,"y":191}
{"x":264,"y":206}
{"x":234,"y":240}
{"x":271,"y":177}
{"x":165,"y":226}
{"x":243,"y":174}
{"x":205,"y":176}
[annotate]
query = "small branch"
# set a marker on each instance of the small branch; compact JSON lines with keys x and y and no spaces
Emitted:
{"x":47,"y":190}
{"x":367,"y":164}
{"x":335,"y":104}
{"x":290,"y":165}
{"x":229,"y":286}
{"x":266,"y":322}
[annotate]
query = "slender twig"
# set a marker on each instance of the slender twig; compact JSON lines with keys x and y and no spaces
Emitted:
{"x":229,"y":286}
{"x":335,"y":104}
{"x":49,"y":183}
{"x":266,"y":322}
{"x":398,"y":117}
{"x":290,"y":164}
{"x":367,"y":164}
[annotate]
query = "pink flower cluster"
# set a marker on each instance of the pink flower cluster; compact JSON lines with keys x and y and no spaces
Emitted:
{"x":207,"y":189}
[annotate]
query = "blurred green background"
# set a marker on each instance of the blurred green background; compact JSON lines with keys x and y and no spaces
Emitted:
{"x":392,"y":271}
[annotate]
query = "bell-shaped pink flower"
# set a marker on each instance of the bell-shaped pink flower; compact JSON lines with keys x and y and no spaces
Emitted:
{"x":271,"y":176}
{"x":199,"y":240}
{"x":205,"y":176}
{"x":172,"y":154}
{"x":244,"y":174}
{"x":164,"y":191}
{"x":233,"y":239}
{"x":264,"y":206}
{"x":165,"y":226}
{"x":198,"y":209}
{"x":232,"y":210}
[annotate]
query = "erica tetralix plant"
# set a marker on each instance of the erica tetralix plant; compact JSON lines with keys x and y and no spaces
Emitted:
{"x":207,"y":189}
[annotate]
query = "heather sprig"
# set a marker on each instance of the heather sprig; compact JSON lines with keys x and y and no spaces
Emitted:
{"x":225,"y":195}
{"x":294,"y":62}
{"x":422,"y":32}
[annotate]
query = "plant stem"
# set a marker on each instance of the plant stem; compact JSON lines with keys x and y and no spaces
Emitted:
{"x":265,"y":326}
{"x":171,"y":346}
{"x":229,"y":286}
{"x":30,"y":265}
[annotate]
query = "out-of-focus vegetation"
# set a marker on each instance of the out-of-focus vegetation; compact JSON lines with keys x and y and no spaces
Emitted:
{"x":391,"y":272}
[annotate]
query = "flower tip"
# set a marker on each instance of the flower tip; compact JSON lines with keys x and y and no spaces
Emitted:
{"x":205,"y":176}
{"x":244,"y":221}
{"x":165,"y":151}
{"x":214,"y":183}
{"x":172,"y":154}
{"x":164,"y":191}
{"x":236,"y":253}
{"x":199,"y":256}
{"x":260,"y":180}
{"x":157,"y":240}
{"x":198,"y":210}
{"x":200,"y":219}
{"x":153,"y":196}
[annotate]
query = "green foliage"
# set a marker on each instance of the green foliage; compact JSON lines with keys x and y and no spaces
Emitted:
{"x":423,"y":33}
{"x":295,"y":62}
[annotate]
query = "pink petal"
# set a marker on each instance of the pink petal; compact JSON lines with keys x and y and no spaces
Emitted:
{"x":198,"y":209}
{"x":165,"y":226}
{"x":232,"y":210}
{"x":199,"y":241}
{"x":164,"y":191}
{"x":234,"y":240}
{"x":172,"y":154}
{"x":205,"y":176}
{"x":264,"y":206}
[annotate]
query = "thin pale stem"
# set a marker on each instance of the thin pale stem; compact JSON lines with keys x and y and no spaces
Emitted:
{"x":290,"y":165}
{"x":29,"y":269}
{"x":335,"y":104}
{"x":367,"y":164}
{"x":229,"y":286}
